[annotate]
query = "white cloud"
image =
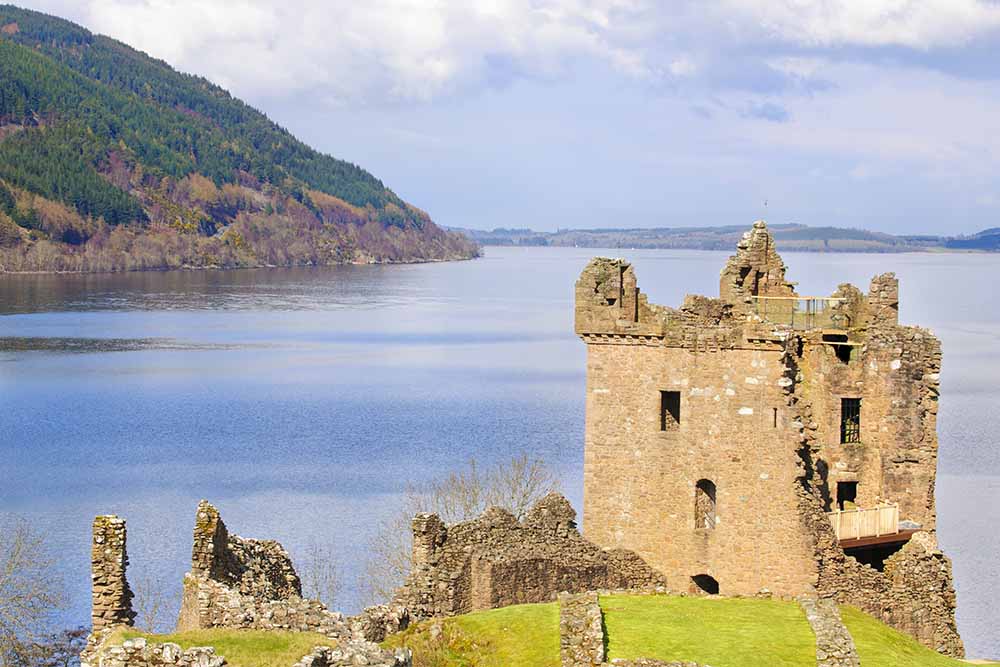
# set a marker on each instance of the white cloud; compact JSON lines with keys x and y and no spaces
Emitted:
{"x":377,"y":50}
{"x":920,"y":24}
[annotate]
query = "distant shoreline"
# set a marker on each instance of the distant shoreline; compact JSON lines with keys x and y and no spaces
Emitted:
{"x":791,"y":238}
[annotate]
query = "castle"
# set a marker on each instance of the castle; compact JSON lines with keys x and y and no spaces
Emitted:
{"x":762,"y":443}
{"x":766,"y":441}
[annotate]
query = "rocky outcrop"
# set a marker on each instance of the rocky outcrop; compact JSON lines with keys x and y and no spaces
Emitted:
{"x":496,"y":560}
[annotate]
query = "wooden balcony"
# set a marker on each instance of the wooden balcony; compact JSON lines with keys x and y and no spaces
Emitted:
{"x":868,"y":526}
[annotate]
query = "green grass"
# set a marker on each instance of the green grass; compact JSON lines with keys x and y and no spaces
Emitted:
{"x":881,"y":646}
{"x":245,"y":648}
{"x":525,"y":634}
{"x":721,"y":632}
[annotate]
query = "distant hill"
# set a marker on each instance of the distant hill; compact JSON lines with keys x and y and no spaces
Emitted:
{"x":791,"y":236}
{"x":112,"y":160}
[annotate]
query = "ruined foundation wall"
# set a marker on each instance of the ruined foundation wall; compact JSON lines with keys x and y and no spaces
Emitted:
{"x":496,"y":560}
{"x":111,"y":596}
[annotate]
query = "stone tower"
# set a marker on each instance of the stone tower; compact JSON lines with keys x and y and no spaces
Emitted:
{"x":765,"y":440}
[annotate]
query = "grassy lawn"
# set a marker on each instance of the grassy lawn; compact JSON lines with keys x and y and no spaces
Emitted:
{"x":881,"y":646}
{"x":245,"y":648}
{"x":525,"y":634}
{"x":719,"y":632}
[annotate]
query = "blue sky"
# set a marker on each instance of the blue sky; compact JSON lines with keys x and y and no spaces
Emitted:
{"x":882,"y":114}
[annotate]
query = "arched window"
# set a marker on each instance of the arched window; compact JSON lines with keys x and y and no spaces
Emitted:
{"x":704,"y":504}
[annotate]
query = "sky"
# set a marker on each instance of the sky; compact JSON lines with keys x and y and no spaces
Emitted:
{"x":882,"y":114}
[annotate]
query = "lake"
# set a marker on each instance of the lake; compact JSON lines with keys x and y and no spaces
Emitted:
{"x":302,"y":402}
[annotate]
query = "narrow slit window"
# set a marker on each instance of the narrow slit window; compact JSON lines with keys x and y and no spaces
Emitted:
{"x":850,"y":420}
{"x":704,"y":504}
{"x":670,"y":410}
{"x":774,"y":424}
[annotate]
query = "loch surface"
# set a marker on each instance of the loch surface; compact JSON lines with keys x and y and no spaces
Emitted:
{"x":302,"y":402}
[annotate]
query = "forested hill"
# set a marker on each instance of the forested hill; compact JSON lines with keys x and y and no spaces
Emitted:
{"x":112,"y":160}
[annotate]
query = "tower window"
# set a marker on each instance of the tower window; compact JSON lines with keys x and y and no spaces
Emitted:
{"x":850,"y":420}
{"x":670,"y":410}
{"x":704,"y":504}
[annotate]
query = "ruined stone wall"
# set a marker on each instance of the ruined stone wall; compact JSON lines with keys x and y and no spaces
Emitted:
{"x":894,"y":370}
{"x":496,"y":560}
{"x":140,"y":653}
{"x":915,"y":592}
{"x":111,"y":596}
{"x":236,"y":582}
{"x":640,"y":481}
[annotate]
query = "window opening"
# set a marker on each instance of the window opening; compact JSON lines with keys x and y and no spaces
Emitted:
{"x":847,"y":495}
{"x":704,"y":504}
{"x":670,"y":410}
{"x":850,"y":420}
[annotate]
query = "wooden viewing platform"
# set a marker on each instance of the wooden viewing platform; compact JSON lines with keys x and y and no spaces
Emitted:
{"x":870,"y":525}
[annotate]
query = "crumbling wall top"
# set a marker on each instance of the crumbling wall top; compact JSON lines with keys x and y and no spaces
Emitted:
{"x":261,"y":569}
{"x":755,"y":270}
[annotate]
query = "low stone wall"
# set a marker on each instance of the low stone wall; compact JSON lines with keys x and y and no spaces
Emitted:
{"x":496,"y":560}
{"x":140,"y":653}
{"x":834,"y":644}
{"x":355,"y":653}
{"x":581,"y":630}
{"x":646,"y":662}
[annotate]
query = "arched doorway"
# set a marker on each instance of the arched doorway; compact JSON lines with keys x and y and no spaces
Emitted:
{"x":705,"y":584}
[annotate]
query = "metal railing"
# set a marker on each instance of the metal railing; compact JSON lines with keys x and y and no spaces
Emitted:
{"x":801,"y":312}
{"x":854,"y":524}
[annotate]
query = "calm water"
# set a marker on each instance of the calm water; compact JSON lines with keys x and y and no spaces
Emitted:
{"x":302,"y":402}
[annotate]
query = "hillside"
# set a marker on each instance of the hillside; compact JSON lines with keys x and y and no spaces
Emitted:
{"x":112,"y":160}
{"x":793,"y":237}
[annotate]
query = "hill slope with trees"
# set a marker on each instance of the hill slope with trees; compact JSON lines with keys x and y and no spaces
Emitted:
{"x":112,"y":160}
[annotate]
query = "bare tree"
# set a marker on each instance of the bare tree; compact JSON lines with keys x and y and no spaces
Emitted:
{"x":153,"y":605}
{"x":321,"y":574}
{"x":29,"y":587}
{"x":513,"y":485}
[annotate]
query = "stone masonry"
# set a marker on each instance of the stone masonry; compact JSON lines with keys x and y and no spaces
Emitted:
{"x":110,"y":593}
{"x":234,"y":582}
{"x":496,"y":560}
{"x":834,"y":644}
{"x":237,"y":582}
{"x":720,"y":433}
{"x":581,"y":630}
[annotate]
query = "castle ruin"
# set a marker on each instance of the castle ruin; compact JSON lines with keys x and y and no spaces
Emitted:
{"x":767,"y":441}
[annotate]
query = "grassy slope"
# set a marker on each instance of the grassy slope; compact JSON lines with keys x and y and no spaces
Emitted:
{"x":246,"y":648}
{"x":720,"y":632}
{"x":881,"y":646}
{"x":519,"y":635}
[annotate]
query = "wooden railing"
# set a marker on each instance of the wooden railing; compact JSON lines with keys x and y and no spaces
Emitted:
{"x":854,"y":524}
{"x":801,"y":312}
